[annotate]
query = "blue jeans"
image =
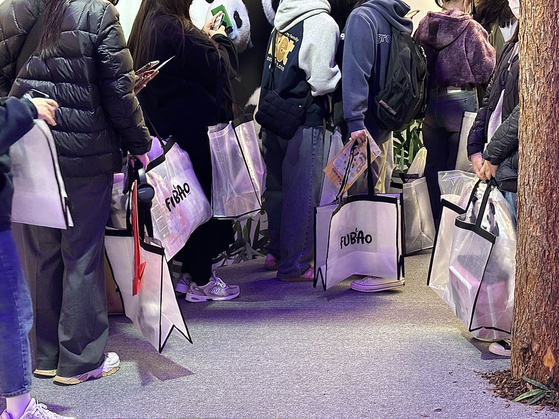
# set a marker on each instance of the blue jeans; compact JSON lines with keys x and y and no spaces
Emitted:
{"x":16,"y":319}
{"x":294,"y":177}
{"x":441,"y":136}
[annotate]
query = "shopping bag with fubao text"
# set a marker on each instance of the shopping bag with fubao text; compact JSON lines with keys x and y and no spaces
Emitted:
{"x":179,"y":205}
{"x":481,"y":268}
{"x":364,"y":238}
{"x":40,"y":196}
{"x":140,"y":270}
{"x":238,"y":169}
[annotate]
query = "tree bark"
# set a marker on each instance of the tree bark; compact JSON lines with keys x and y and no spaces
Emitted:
{"x":535,"y":337}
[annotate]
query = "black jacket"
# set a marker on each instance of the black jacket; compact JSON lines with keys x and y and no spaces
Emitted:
{"x":182,"y":100}
{"x":502,"y":150}
{"x":92,"y":79}
{"x":16,"y":118}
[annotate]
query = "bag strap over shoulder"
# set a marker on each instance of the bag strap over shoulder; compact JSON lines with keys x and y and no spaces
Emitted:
{"x":31,"y":42}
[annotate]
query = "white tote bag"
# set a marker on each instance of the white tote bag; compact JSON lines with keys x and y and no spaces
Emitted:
{"x":437,"y":278}
{"x":360,"y":245}
{"x":151,"y":303}
{"x":480,"y":289}
{"x":238,"y":169}
{"x":179,"y":205}
{"x":419,"y":225}
{"x":40,"y":196}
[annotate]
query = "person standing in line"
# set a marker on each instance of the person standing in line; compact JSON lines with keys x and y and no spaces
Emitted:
{"x":305,"y":37}
{"x":498,"y":19}
{"x":459,"y":58}
{"x":181,"y":101}
{"x":493,"y":138}
{"x":80,"y":60}
{"x":365,"y":52}
{"x":16,"y":308}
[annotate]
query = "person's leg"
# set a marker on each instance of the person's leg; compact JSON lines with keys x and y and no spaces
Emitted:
{"x":274,"y":149}
{"x":203,"y":245}
{"x":45,"y":270}
{"x":435,"y":141}
{"x":16,"y":319}
{"x":83,"y":326}
{"x":302,"y":175}
{"x":451,"y":115}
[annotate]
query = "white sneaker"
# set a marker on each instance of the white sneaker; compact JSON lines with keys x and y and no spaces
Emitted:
{"x":501,"y":348}
{"x":109,"y":367}
{"x":36,"y":410}
{"x":183,"y":283}
{"x":373,"y":284}
{"x":215,"y":290}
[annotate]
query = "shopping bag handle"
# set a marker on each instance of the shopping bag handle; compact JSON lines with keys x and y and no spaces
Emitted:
{"x":485,"y":199}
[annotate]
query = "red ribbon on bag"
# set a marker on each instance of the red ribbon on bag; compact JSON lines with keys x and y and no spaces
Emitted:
{"x":139,"y":266}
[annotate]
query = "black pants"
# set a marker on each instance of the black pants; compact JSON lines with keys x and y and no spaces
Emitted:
{"x":66,"y":269}
{"x":205,"y":243}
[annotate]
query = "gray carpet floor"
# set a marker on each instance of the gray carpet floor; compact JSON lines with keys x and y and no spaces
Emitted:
{"x":288,"y":350}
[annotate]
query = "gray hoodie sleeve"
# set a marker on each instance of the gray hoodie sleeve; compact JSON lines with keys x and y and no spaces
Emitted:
{"x":360,"y":51}
{"x":317,"y":53}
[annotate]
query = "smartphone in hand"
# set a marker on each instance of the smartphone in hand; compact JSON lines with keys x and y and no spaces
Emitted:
{"x":225,"y":20}
{"x":218,"y":22}
{"x":147,"y":67}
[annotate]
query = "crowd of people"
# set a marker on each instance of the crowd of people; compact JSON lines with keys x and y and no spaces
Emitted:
{"x":84,"y":68}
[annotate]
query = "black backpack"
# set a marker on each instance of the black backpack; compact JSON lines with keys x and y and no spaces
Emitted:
{"x":404,"y":96}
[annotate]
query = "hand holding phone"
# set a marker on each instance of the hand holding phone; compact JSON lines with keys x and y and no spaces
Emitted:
{"x":225,"y":20}
{"x":147,"y":67}
{"x":217,"y":22}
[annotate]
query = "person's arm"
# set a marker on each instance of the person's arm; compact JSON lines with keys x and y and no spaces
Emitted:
{"x":206,"y":60}
{"x":116,"y":83}
{"x":505,"y":140}
{"x":480,"y":53}
{"x":317,"y":54}
{"x":16,"y":118}
{"x":360,"y":51}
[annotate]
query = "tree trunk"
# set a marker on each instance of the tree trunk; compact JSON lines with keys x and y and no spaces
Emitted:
{"x":535,"y":345}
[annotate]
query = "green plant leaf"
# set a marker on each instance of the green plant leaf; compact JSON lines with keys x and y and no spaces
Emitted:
{"x":530,"y":393}
{"x":535,"y":383}
{"x":537,"y":398}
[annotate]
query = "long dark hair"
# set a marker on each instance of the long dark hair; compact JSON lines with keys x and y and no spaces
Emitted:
{"x":489,"y":11}
{"x":52,"y":28}
{"x":143,"y":36}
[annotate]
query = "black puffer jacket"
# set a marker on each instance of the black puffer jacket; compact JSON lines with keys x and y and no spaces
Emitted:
{"x":92,"y":80}
{"x":502,"y":150}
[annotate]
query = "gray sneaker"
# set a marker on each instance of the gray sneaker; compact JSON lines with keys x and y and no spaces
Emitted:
{"x":36,"y":411}
{"x":215,"y":290}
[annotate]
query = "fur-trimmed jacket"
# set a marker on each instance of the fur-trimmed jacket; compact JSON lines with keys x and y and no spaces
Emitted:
{"x":465,"y":56}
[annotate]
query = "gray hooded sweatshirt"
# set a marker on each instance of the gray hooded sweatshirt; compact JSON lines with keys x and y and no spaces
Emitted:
{"x":305,"y":52}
